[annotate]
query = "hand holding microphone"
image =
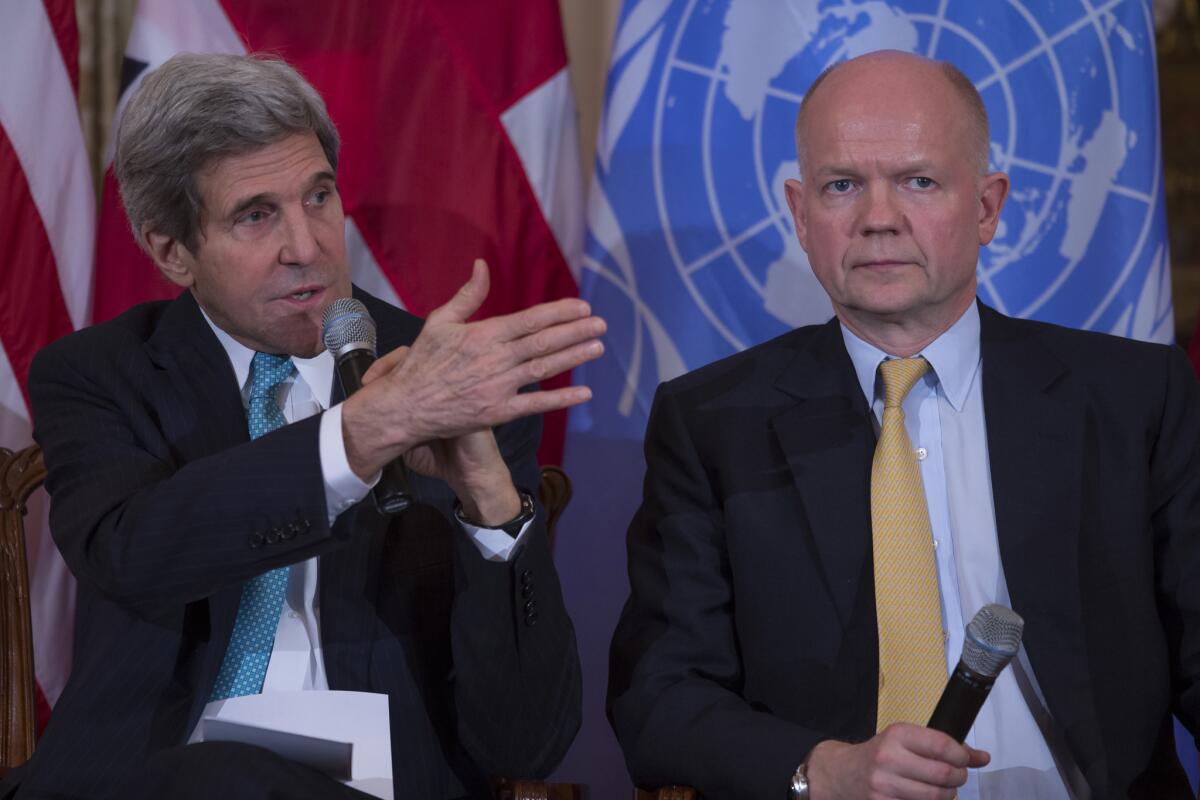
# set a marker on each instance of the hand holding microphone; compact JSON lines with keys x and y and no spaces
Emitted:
{"x":349,"y":335}
{"x":907,"y":760}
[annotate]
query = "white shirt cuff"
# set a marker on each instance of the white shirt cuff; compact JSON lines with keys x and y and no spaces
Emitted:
{"x":493,"y":543}
{"x":342,"y":487}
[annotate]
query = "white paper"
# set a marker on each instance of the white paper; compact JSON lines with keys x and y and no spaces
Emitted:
{"x":327,"y":729}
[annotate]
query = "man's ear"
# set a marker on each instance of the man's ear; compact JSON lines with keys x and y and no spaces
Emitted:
{"x":793,"y":190}
{"x":170,"y":256}
{"x":993,"y":190}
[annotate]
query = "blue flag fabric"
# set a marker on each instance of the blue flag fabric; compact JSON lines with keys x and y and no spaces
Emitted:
{"x":691,"y":256}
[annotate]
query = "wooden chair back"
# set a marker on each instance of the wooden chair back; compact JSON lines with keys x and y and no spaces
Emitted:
{"x":20,"y":474}
{"x":554,"y":490}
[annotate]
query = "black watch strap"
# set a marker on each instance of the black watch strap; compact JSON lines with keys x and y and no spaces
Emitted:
{"x":513,"y":526}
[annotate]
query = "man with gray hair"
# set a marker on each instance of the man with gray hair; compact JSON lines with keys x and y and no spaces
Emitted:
{"x":209,"y":482}
{"x":824,"y":513}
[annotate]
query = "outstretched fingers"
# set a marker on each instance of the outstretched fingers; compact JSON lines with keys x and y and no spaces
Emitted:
{"x":530,"y":321}
{"x":546,"y":400}
{"x":558,"y":337}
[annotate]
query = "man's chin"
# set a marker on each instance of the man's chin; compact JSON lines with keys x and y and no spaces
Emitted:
{"x":884,"y":305}
{"x":303,"y":341}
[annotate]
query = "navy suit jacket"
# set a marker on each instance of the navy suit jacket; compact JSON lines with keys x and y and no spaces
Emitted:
{"x":750,"y":632}
{"x":163,"y":508}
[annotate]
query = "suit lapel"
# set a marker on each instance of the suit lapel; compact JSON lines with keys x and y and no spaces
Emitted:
{"x":1035,"y":432}
{"x":196,"y":370}
{"x":828,"y":441}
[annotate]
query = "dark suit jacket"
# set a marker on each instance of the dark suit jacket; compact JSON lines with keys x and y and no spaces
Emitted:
{"x":749,"y":635}
{"x":163,"y":508}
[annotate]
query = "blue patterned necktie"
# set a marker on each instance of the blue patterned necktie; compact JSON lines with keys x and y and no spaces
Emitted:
{"x":253,"y":638}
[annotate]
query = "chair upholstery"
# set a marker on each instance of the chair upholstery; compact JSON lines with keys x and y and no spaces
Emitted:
{"x":21,"y":473}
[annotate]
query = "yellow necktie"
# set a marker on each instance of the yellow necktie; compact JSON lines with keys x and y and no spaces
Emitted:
{"x":912,"y":662}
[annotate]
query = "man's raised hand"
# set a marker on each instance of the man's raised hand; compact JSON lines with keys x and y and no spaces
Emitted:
{"x":459,"y":377}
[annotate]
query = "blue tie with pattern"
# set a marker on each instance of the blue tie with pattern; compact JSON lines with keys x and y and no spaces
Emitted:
{"x":249,"y":650}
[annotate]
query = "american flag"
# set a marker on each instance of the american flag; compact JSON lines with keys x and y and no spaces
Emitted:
{"x":47,"y":230}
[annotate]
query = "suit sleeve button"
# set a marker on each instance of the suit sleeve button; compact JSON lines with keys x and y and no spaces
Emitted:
{"x":255,"y":540}
{"x":531,"y":619}
{"x":526,"y":592}
{"x":274,"y":535}
{"x":526,"y":577}
{"x":530,"y":605}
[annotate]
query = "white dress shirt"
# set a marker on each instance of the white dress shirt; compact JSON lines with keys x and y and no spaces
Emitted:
{"x":296,"y":661}
{"x":944,"y":418}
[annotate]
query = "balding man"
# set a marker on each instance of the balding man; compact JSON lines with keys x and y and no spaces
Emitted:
{"x":796,"y":600}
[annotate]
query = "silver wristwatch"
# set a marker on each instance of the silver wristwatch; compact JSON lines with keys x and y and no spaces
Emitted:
{"x":799,"y":788}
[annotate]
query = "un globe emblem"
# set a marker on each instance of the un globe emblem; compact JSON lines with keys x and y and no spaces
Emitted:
{"x":697,"y":142}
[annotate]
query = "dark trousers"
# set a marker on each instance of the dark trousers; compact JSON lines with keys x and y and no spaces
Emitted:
{"x":232,"y":771}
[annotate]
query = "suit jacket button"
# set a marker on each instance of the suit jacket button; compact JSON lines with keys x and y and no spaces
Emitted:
{"x":531,"y":619}
{"x":255,"y":540}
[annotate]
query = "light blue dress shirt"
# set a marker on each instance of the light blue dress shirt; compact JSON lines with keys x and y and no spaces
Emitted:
{"x":945,"y":422}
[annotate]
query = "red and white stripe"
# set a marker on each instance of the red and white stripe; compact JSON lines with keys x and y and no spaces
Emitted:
{"x":47,"y":229}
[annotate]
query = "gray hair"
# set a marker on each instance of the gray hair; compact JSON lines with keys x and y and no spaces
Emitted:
{"x":960,"y":83}
{"x":195,"y":109}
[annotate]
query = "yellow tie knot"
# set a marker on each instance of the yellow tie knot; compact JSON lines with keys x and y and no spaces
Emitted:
{"x":899,"y":375}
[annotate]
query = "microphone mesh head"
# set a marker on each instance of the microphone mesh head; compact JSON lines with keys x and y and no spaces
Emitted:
{"x":348,"y":326}
{"x":993,"y":638}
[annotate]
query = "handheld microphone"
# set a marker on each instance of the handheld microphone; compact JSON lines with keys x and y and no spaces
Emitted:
{"x":993,"y":638}
{"x":349,"y":334}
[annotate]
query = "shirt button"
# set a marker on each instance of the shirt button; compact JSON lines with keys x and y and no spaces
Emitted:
{"x":935,"y":544}
{"x":922,"y":453}
{"x":293,"y":615}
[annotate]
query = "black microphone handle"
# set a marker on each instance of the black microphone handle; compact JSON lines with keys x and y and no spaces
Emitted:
{"x":964,"y":695}
{"x":391,"y":493}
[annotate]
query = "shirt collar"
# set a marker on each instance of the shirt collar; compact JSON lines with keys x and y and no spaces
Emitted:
{"x":953,"y":358}
{"x":317,"y":371}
